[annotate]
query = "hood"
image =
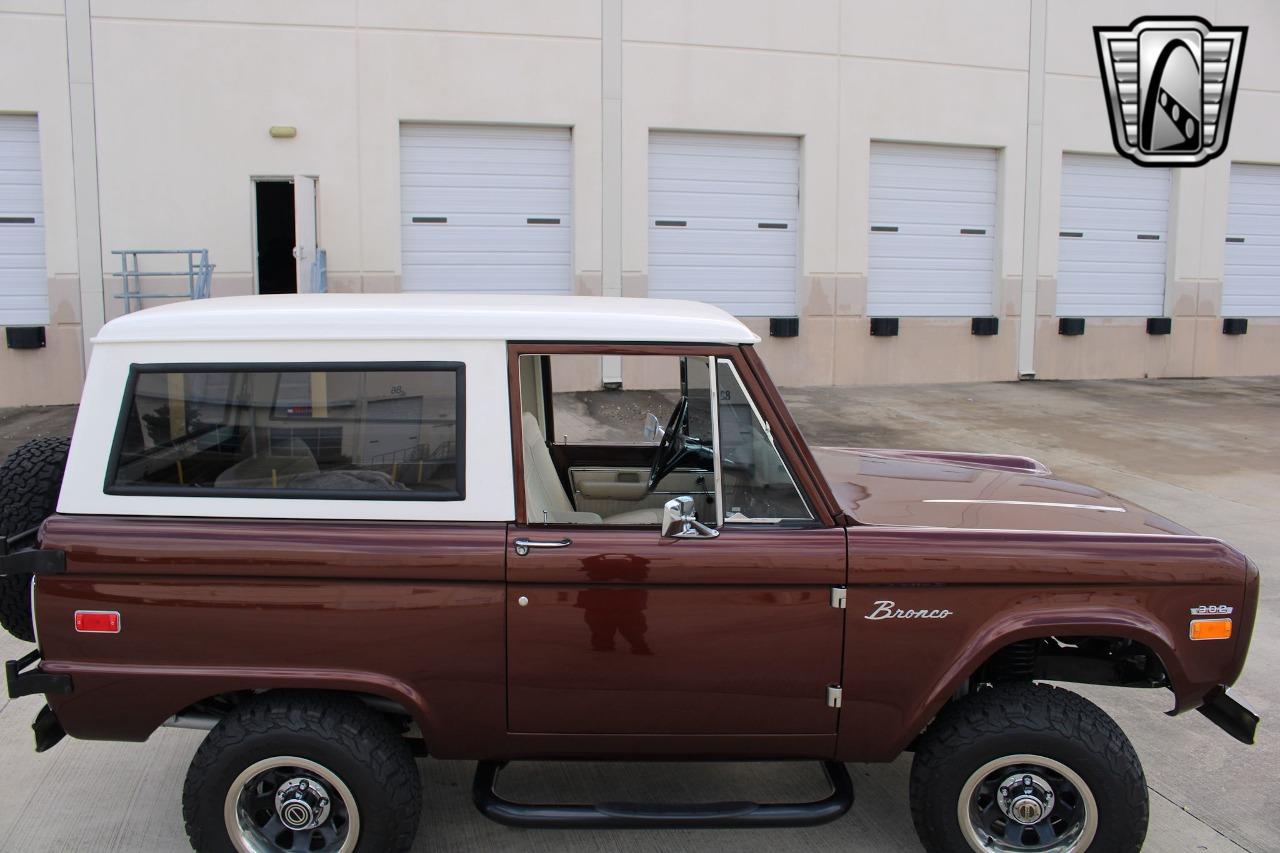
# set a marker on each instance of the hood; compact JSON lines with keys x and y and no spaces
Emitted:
{"x":920,"y":488}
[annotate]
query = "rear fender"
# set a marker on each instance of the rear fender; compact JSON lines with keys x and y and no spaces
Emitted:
{"x":130,"y":702}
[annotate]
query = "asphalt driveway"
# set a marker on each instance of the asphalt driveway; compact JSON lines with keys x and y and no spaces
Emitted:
{"x":1204,"y":452}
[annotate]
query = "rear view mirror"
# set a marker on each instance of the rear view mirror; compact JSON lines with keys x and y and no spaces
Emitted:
{"x":679,"y":521}
{"x":653,"y":430}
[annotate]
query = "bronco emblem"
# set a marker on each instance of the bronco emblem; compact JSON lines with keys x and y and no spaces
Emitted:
{"x":890,"y":610}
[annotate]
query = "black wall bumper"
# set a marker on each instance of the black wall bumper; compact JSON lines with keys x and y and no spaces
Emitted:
{"x":1231,"y":715}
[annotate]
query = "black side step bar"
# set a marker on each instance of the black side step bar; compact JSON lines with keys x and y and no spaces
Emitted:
{"x":657,"y":815}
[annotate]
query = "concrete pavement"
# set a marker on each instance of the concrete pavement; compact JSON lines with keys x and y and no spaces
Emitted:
{"x":1204,"y":452}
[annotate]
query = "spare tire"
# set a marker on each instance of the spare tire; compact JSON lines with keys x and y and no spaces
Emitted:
{"x":30,"y":480}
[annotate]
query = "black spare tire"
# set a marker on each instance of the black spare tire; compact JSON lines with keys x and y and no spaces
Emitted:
{"x":30,"y":480}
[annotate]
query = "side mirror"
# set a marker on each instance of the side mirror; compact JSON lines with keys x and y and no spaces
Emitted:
{"x":653,"y":430}
{"x":679,"y":521}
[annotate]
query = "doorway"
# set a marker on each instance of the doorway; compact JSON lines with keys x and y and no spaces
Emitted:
{"x":275,"y":237}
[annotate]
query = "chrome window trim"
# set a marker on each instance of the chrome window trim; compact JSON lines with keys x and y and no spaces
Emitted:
{"x":714,"y":387}
{"x":764,"y":424}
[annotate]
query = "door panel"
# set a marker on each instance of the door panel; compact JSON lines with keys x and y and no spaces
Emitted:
{"x":23,"y":280}
{"x":1105,"y":269}
{"x":628,"y":633}
{"x":724,"y":220}
{"x":304,"y":212}
{"x":609,"y":491}
{"x":486,"y":209}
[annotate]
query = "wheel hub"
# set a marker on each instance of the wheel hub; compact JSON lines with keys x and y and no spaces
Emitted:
{"x":1025,"y":798}
{"x":302,"y":804}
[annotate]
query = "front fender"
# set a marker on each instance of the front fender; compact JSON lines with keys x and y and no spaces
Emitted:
{"x":901,"y":671}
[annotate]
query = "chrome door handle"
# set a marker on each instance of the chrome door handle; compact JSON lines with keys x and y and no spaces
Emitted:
{"x":523,"y":545}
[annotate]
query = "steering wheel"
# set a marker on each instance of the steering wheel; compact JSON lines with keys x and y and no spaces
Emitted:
{"x":677,"y":446}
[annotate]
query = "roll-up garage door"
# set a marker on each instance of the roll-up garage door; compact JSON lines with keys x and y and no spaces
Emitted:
{"x":1111,"y":238}
{"x":485,"y":209}
{"x":1252,"y":284}
{"x":723,"y":216}
{"x":24,"y":288}
{"x":933,"y":222}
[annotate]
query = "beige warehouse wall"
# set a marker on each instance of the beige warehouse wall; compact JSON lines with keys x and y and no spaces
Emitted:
{"x":345,"y":75}
{"x":409,"y":75}
{"x":33,"y":81}
{"x":185,"y":91}
{"x":1075,"y":122}
{"x":183,"y":111}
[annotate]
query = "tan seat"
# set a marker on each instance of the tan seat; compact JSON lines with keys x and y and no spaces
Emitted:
{"x":544,"y":497}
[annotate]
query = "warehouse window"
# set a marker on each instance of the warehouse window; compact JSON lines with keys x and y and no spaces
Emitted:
{"x":390,"y":432}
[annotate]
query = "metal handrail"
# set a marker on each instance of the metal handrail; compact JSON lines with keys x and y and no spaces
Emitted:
{"x":199,"y":273}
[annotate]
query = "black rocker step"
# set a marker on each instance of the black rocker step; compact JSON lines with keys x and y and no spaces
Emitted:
{"x":660,"y":816}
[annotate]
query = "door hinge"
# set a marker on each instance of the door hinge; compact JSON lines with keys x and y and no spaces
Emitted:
{"x":835,"y":695}
{"x":839,"y":597}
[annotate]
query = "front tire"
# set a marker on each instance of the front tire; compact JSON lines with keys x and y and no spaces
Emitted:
{"x":297,"y":771}
{"x":1027,"y":767}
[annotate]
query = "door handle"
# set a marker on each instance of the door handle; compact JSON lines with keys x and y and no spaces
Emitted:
{"x":523,"y":545}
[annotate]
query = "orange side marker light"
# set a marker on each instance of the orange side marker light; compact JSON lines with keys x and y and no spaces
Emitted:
{"x":1210,"y":629}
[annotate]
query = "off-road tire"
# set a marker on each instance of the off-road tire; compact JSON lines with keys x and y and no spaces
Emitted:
{"x":30,"y":480}
{"x":1027,"y":718}
{"x":340,"y":732}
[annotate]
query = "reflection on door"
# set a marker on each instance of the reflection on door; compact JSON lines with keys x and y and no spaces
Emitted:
{"x":615,"y":615}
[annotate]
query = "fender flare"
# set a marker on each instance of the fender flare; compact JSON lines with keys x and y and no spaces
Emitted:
{"x":1006,"y":629}
{"x":171,"y":689}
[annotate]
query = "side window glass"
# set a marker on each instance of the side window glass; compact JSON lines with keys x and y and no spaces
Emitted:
{"x":339,"y":433}
{"x":756,"y":483}
{"x":598,"y":451}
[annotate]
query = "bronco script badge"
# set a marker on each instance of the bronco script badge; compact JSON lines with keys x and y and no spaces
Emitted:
{"x":1170,"y":85}
{"x":890,"y":610}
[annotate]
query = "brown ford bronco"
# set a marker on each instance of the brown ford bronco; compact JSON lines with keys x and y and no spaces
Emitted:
{"x":339,"y":532}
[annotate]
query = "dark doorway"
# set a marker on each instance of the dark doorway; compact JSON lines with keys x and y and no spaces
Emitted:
{"x":277,"y":270}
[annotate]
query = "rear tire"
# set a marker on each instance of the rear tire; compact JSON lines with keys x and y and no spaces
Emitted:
{"x":30,"y":480}
{"x":363,"y":791}
{"x":969,"y":789}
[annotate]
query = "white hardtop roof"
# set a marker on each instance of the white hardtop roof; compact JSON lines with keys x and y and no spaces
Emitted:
{"x":428,"y":316}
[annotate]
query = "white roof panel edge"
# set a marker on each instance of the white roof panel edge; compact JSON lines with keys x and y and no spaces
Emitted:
{"x":428,"y":316}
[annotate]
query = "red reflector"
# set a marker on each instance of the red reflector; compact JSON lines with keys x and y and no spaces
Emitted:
{"x":98,"y":621}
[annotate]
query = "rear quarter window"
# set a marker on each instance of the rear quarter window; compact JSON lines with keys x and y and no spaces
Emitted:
{"x":331,"y":431}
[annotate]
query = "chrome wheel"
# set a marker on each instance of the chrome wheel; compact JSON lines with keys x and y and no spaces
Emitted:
{"x":291,"y":804}
{"x":1027,"y":803}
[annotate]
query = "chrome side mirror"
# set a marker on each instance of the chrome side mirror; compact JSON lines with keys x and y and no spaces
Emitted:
{"x":653,"y":430}
{"x":679,"y":521}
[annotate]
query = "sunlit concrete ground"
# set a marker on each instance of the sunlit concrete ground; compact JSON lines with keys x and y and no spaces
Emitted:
{"x":1204,"y":452}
